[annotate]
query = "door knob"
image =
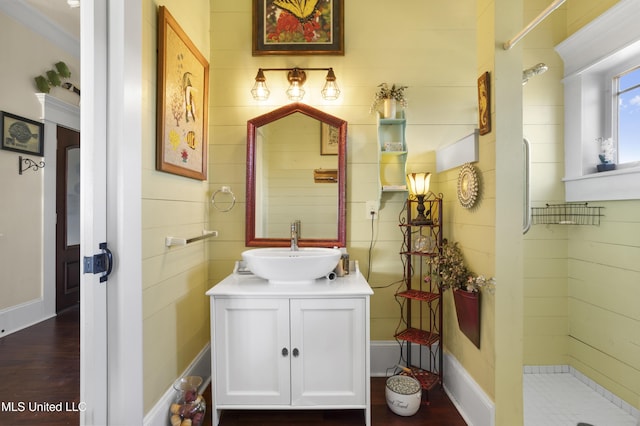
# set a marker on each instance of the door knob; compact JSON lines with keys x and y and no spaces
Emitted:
{"x":285,"y":352}
{"x":296,"y":352}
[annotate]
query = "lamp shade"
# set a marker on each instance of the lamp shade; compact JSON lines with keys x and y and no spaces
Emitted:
{"x":419,"y":183}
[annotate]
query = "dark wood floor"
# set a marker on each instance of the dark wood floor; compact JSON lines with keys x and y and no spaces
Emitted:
{"x":440,"y":412}
{"x":41,"y":365}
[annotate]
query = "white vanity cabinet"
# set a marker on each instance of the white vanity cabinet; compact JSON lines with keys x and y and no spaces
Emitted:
{"x":290,"y":346}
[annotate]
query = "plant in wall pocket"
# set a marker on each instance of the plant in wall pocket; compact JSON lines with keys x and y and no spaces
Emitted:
{"x":606,"y":155}
{"x":389,"y":99}
{"x":453,"y":274}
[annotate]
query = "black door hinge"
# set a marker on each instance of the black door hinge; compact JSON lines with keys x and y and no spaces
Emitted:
{"x":99,"y":263}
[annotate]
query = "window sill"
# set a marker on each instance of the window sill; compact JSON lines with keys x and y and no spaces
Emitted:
{"x":619,"y":184}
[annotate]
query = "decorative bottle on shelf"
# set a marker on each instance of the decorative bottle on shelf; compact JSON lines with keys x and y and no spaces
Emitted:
{"x":189,"y":407}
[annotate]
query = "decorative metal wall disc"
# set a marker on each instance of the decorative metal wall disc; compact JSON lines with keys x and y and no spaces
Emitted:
{"x":467,"y":186}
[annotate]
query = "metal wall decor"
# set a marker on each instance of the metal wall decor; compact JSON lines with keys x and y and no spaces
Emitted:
{"x":28,"y":164}
{"x":467,"y":186}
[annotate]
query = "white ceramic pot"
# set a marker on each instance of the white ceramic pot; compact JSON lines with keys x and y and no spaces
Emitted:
{"x":403,"y":394}
{"x":389,"y":108}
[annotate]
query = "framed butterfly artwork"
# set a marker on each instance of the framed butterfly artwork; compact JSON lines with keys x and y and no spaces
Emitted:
{"x":298,"y":27}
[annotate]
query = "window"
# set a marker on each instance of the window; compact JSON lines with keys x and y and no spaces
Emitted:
{"x":627,"y":128}
{"x":602,"y":101}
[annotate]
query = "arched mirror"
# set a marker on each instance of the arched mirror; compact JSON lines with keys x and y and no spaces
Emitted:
{"x":296,"y":170}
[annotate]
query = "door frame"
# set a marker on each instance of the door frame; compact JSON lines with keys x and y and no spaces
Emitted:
{"x":54,"y":113}
{"x":66,"y":254}
{"x":111,"y":378}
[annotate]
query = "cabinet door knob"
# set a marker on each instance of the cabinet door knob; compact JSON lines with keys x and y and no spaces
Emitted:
{"x":296,"y":352}
{"x":285,"y":352}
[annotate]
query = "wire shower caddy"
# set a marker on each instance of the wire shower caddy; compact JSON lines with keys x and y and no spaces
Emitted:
{"x":567,"y":214}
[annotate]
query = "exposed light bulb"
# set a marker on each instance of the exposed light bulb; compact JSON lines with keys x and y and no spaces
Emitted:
{"x":260,"y":91}
{"x":295,"y":92}
{"x":330,"y":91}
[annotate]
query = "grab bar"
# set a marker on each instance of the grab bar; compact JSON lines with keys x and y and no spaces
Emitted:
{"x":526,"y":219}
{"x":177,"y":241}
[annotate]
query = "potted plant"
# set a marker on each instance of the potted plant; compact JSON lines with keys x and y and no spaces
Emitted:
{"x":607,"y":151}
{"x":453,"y":274}
{"x":389,"y":98}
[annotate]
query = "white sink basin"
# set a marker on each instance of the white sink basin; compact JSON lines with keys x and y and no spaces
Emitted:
{"x":282,"y":265}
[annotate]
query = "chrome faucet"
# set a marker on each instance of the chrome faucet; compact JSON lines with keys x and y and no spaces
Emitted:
{"x":295,"y":234}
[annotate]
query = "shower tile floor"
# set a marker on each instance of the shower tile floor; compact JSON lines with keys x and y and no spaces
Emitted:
{"x":562,"y":399}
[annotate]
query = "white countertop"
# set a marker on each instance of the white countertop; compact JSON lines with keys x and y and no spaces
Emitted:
{"x":248,"y":285}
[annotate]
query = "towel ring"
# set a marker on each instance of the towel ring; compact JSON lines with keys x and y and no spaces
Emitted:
{"x":224,"y":190}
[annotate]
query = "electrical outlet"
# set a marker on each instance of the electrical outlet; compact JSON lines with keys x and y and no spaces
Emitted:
{"x":371,"y":209}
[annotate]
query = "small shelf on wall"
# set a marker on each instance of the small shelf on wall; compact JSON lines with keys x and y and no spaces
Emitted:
{"x":566,"y":214}
{"x":392,"y":154}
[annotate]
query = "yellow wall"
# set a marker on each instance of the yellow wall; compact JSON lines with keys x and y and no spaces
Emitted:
{"x":545,"y":247}
{"x":175,"y":309}
{"x":580,"y":282}
{"x":474,"y":228}
{"x":426,"y":45}
{"x":437,"y":52}
{"x":603,"y":277}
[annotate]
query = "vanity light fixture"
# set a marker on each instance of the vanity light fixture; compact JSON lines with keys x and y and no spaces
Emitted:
{"x":419,"y":187}
{"x":296,"y":77}
{"x":73,"y":3}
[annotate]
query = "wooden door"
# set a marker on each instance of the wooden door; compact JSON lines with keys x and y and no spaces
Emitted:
{"x":68,"y":219}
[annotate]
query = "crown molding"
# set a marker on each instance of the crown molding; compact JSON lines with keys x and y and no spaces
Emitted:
{"x":39,"y":23}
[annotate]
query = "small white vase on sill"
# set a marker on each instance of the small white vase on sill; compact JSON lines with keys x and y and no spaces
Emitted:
{"x":389,"y":108}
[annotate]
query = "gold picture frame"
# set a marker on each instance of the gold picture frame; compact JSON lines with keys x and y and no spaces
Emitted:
{"x":484,"y":104}
{"x":182,"y":113}
{"x":304,"y":27}
{"x":329,"y":140}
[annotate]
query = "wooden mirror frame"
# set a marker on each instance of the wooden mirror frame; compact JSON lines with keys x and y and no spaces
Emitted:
{"x":250,"y":218}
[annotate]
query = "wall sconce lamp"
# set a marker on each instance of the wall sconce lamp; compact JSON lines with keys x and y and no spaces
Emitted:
{"x":419,"y":187}
{"x":296,"y":77}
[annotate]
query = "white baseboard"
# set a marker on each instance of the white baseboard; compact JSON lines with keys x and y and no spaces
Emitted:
{"x":385,"y":356}
{"x":200,"y":366}
{"x":472,"y":403}
{"x":22,"y":316}
{"x":475,"y":407}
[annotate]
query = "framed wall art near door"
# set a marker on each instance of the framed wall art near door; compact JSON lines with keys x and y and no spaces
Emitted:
{"x":300,"y":27}
{"x":20,"y":134}
{"x":183,"y":87}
